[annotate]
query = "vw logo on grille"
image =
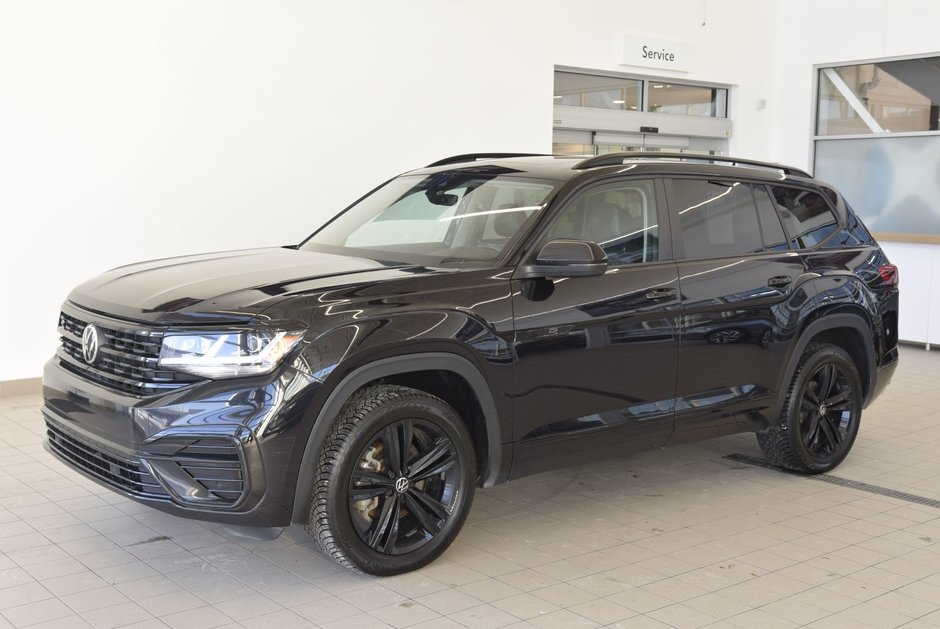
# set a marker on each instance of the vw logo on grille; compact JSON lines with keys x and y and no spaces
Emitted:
{"x":90,"y":344}
{"x":401,"y":485}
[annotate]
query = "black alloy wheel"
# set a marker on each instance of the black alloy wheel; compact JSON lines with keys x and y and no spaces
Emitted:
{"x":827,"y":410}
{"x":403,"y":488}
{"x":394,"y":481}
{"x":822,"y":413}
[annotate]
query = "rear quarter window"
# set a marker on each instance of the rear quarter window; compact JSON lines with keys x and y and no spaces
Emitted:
{"x":806,"y":217}
{"x":854,"y":234}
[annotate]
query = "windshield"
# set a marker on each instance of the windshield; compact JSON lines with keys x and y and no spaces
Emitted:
{"x":444,"y":218}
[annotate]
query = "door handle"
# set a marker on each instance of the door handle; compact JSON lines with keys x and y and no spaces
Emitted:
{"x":779,"y":281}
{"x":661,"y":293}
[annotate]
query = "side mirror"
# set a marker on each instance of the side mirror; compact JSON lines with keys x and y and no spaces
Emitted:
{"x":565,"y":258}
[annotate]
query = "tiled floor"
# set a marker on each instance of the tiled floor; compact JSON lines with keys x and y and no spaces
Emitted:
{"x":681,"y":538}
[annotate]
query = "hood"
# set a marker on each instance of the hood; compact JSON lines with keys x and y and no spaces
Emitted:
{"x":231,"y":286}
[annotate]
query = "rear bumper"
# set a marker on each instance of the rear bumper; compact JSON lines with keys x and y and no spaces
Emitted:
{"x":883,"y":374}
{"x":216,"y":450}
{"x":886,"y":345}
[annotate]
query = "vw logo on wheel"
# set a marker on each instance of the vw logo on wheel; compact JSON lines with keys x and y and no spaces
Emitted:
{"x":90,"y":344}
{"x":401,"y":485}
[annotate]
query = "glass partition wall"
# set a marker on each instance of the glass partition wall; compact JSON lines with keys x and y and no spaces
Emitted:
{"x":877,"y":139}
{"x":880,"y":97}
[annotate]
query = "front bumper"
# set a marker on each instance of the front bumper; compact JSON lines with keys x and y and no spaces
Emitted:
{"x":222,"y":450}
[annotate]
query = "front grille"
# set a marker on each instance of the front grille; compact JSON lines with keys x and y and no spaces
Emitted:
{"x":127,"y":359}
{"x":116,"y":470}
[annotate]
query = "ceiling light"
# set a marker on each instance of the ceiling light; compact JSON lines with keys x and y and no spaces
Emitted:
{"x":558,"y":96}
{"x":619,"y":102}
{"x":656,"y":85}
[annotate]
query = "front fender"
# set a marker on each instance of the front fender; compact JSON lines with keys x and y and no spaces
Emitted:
{"x":497,"y":454}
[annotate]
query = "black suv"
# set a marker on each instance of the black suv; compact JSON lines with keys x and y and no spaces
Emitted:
{"x":484,"y":318}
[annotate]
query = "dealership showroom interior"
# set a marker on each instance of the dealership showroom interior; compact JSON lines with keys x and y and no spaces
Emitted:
{"x":470,"y":313}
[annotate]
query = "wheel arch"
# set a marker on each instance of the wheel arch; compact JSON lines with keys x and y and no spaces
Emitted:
{"x":422,"y":371}
{"x":850,"y":331}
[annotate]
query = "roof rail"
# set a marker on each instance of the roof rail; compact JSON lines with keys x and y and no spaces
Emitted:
{"x":618,"y":159}
{"x":470,"y":157}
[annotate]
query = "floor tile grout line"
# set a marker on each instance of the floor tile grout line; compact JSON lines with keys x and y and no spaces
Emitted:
{"x":809,"y":586}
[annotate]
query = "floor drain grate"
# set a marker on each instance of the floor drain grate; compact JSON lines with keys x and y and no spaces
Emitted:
{"x":842,"y":482}
{"x":750,"y":460}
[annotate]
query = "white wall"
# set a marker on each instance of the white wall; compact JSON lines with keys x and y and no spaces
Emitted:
{"x":811,"y":32}
{"x":834,"y":31}
{"x":919,"y":271}
{"x":132,"y":130}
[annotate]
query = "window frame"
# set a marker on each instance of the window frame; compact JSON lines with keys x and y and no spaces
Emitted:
{"x":819,"y":69}
{"x":538,"y":235}
{"x":840,"y":218}
{"x":646,"y":86}
{"x":886,"y":230}
{"x":776,"y":211}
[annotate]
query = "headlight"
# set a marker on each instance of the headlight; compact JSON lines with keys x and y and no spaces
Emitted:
{"x":228,"y":354}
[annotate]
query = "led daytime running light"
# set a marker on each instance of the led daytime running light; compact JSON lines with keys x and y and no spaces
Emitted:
{"x":228,"y":354}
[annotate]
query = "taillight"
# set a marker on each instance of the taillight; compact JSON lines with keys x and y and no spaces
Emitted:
{"x":889,"y":273}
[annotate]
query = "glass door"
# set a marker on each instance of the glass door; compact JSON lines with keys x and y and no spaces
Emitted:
{"x":597,"y":112}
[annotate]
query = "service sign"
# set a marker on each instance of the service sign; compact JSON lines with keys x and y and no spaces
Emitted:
{"x":647,"y":52}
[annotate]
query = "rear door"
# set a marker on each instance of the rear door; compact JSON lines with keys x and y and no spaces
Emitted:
{"x":596,"y":356}
{"x":739,"y":303}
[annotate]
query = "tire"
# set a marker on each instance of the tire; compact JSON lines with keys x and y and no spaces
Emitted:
{"x":814,"y":431}
{"x":379,"y":507}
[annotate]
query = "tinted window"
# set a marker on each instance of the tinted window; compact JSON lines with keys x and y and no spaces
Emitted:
{"x":621,"y":217}
{"x":854,"y":233}
{"x":806,"y":216}
{"x":774,"y":238}
{"x":716,"y":218}
{"x":857,"y":228}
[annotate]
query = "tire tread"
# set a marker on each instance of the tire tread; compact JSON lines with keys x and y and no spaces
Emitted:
{"x":778,"y":442}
